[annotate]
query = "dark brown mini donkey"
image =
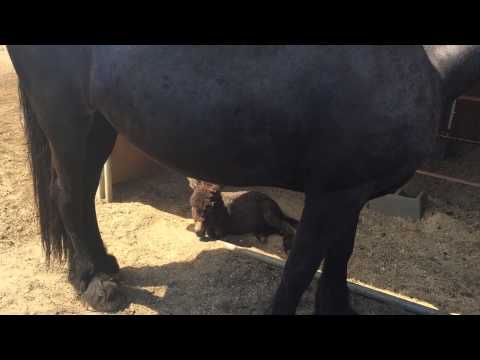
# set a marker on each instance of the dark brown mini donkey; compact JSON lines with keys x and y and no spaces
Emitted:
{"x":217,"y":214}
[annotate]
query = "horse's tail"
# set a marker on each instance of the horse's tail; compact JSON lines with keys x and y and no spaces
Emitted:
{"x":52,"y":232}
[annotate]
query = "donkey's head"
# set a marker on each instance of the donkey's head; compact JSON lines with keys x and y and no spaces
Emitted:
{"x":208,"y":209}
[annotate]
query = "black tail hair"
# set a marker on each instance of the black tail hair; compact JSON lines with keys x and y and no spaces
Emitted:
{"x":54,"y":240}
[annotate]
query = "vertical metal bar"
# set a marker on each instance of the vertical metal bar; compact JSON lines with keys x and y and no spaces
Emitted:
{"x":107,"y":169}
{"x":101,"y":187}
{"x":452,"y":115}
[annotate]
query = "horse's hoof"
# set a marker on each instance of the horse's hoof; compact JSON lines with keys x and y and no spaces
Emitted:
{"x":80,"y":274}
{"x":109,"y":265}
{"x":104,"y":294}
{"x":348,"y":311}
{"x":269,"y":310}
{"x":273,"y":310}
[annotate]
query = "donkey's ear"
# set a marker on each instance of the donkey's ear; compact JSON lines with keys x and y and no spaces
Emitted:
{"x":192,"y":183}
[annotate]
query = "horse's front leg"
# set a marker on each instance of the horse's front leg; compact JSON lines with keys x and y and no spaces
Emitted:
{"x":101,"y":140}
{"x":327,"y":221}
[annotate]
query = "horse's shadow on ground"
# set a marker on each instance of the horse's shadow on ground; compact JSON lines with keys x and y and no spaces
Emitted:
{"x":215,"y":282}
{"x":220,"y":282}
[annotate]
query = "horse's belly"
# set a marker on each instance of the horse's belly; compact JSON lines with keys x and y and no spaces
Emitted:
{"x":235,"y":150}
{"x":244,"y":126}
{"x":233,"y":160}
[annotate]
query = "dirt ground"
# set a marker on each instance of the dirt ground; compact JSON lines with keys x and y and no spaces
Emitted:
{"x":166,"y":270}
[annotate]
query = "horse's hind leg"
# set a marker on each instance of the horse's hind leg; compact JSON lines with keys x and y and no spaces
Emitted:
{"x":332,"y":296}
{"x":322,"y":227}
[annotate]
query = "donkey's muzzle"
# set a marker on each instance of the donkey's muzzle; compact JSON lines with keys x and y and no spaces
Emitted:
{"x":199,"y":229}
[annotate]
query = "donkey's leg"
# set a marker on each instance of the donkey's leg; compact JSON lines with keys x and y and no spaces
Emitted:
{"x":262,"y":237}
{"x":321,"y":227}
{"x":101,"y":141}
{"x":274,"y":219}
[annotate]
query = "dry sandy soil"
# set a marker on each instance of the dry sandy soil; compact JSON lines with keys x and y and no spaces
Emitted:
{"x":166,"y":270}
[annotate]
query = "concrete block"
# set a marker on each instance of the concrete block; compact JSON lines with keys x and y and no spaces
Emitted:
{"x":401,"y":205}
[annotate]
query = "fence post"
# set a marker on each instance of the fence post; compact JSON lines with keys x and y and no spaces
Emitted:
{"x":107,"y":170}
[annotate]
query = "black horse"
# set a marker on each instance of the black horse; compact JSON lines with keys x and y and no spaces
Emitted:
{"x":344,"y":124}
